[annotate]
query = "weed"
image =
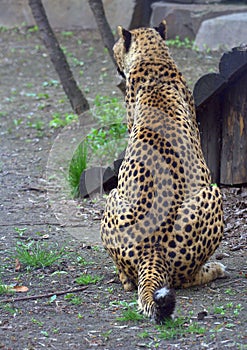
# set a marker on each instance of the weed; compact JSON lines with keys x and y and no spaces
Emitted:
{"x":3,"y":29}
{"x":77,"y":165}
{"x":130,"y":315}
{"x":38,"y":124}
{"x":3,"y":114}
{"x":86,"y":279}
{"x":4,"y":289}
{"x":178,"y":327}
{"x":33,"y":29}
{"x":20,"y":231}
{"x":35,"y":321}
{"x":81,"y":261}
{"x":37,"y":255}
{"x":106,"y":334}
{"x":102,"y":144}
{"x":59,"y":121}
{"x":52,"y":82}
{"x":45,"y":333}
{"x":67,"y":34}
{"x":8,"y":308}
{"x":90,"y":51}
{"x":144,"y":334}
{"x":219,"y":310}
{"x":109,"y":140}
{"x":177,"y":42}
{"x":75,"y":300}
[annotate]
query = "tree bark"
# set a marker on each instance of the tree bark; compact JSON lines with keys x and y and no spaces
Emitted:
{"x":103,"y":25}
{"x":75,"y":96}
{"x":141,"y":15}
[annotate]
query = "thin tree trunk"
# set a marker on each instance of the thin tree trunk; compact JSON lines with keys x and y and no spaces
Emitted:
{"x":103,"y":25}
{"x":141,"y":15}
{"x":105,"y":32}
{"x":76,"y":98}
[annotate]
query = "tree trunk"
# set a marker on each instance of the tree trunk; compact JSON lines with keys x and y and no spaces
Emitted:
{"x":141,"y":15}
{"x":103,"y":25}
{"x":76,"y":98}
{"x":105,"y":32}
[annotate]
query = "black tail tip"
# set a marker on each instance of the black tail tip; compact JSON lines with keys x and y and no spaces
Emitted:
{"x":165,"y":300}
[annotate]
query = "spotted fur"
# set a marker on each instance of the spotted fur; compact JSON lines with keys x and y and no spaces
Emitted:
{"x":164,"y":220}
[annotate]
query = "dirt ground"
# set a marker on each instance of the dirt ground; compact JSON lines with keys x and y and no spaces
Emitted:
{"x":35,"y":207}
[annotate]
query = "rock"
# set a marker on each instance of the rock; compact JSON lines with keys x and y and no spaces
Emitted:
{"x":222,"y":32}
{"x":184,"y":20}
{"x":97,"y":179}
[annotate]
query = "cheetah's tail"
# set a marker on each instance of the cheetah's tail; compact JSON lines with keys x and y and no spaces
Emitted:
{"x":165,"y":301}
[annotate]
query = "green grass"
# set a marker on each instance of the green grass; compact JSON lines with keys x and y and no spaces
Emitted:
{"x":4,"y":289}
{"x":103,"y":144}
{"x":60,"y":121}
{"x":77,"y":165}
{"x":108,"y":140}
{"x":130,"y":314}
{"x":178,"y":328}
{"x":35,"y":254}
{"x":73,"y":299}
{"x":86,"y":279}
{"x":177,"y":42}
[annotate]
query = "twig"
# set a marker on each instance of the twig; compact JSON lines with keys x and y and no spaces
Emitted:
{"x":47,"y":295}
{"x":237,"y":247}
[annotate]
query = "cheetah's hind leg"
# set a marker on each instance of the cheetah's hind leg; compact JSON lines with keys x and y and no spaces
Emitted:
{"x":207,"y":273}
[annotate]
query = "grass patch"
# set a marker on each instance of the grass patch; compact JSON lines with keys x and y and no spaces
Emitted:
{"x":110,"y":139}
{"x":35,"y":254}
{"x":178,"y":328}
{"x":77,"y":165}
{"x":103,"y":144}
{"x":4,"y":289}
{"x":130,"y":315}
{"x":86,"y":279}
{"x":177,"y":42}
{"x":73,"y":299}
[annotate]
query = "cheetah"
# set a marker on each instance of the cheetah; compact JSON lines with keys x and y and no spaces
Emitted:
{"x":164,"y":220}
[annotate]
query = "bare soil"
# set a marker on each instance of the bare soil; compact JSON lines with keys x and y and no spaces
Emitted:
{"x":34,"y":197}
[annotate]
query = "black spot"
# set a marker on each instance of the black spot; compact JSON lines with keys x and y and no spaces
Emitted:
{"x":172,"y":254}
{"x":188,"y":257}
{"x":172,"y":244}
{"x":189,"y":243}
{"x":131,"y":253}
{"x":188,"y":228}
{"x":179,"y":238}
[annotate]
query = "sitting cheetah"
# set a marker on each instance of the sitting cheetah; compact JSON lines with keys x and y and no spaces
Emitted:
{"x":164,"y":220}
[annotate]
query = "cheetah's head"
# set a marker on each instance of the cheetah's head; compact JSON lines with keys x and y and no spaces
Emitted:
{"x":139,"y":44}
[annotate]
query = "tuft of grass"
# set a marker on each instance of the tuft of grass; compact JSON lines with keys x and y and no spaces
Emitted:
{"x":86,"y":279}
{"x":73,"y":299}
{"x":78,"y":163}
{"x":37,"y":255}
{"x":4,"y":289}
{"x":110,"y":138}
{"x":61,"y":121}
{"x":178,"y":327}
{"x":130,"y":315}
{"x":177,"y":42}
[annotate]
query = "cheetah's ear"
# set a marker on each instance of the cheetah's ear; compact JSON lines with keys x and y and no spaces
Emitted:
{"x":161,"y":29}
{"x":126,"y":36}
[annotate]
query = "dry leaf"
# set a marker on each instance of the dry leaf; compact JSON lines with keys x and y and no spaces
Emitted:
{"x":20,"y":289}
{"x":17,"y":265}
